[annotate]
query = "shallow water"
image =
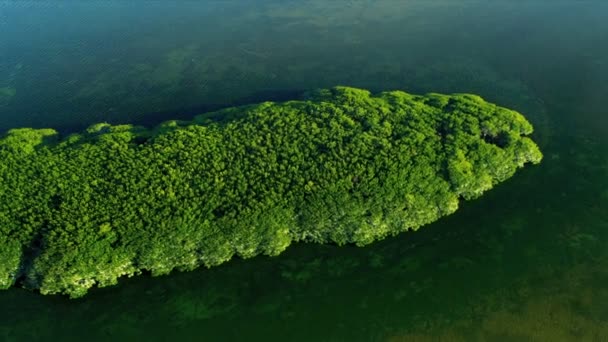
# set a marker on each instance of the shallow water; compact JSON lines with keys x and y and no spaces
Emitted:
{"x":527,"y":261}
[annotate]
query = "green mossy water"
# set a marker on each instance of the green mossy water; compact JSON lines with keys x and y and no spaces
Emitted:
{"x":6,"y":94}
{"x":342,"y":167}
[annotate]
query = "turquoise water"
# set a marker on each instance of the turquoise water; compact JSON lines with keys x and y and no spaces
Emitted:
{"x":526,"y":262}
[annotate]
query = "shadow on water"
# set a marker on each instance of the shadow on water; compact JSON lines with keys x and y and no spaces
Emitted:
{"x":154,"y":118}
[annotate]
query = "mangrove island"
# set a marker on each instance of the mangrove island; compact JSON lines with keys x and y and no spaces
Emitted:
{"x":340,"y":166}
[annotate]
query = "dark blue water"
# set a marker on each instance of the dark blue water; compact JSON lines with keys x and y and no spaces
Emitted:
{"x":527,"y":262}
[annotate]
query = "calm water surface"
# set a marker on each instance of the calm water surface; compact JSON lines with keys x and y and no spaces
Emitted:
{"x":527,"y":262}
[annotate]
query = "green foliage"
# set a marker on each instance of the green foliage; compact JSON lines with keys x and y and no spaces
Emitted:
{"x":24,"y":140}
{"x":10,"y":259}
{"x":341,"y":167}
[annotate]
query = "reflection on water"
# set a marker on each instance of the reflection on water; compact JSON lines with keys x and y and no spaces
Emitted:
{"x":528,"y":261}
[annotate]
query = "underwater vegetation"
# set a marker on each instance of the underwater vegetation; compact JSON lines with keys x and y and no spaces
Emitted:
{"x":341,"y":166}
{"x":6,"y":94}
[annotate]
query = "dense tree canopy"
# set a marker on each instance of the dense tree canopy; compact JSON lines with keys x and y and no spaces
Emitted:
{"x":341,"y":166}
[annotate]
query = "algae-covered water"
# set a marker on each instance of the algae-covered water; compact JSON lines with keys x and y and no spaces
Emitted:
{"x":526,"y":262}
